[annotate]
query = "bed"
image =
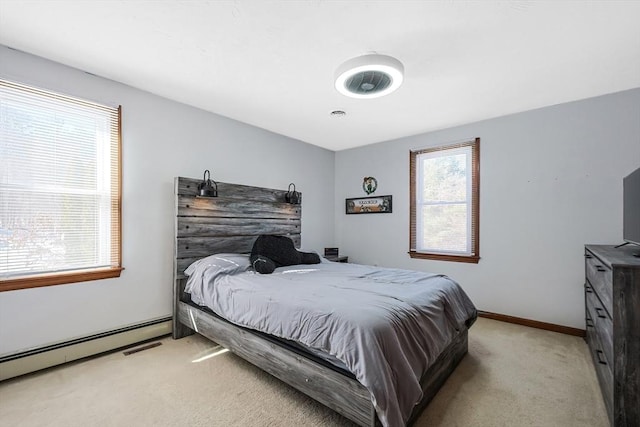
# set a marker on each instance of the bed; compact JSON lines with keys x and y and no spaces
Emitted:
{"x":230,"y":223}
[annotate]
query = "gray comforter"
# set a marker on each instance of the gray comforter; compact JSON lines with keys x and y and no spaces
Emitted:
{"x":386,"y":325}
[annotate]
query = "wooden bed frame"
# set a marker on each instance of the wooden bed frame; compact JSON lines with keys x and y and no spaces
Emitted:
{"x":230,"y":223}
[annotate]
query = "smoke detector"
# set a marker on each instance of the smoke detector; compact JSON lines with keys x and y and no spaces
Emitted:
{"x":369,"y":76}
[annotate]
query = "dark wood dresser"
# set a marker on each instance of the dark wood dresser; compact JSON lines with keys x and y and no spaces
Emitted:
{"x":612,"y":315}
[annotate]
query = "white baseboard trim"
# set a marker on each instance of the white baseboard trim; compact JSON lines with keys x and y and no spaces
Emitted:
{"x":46,"y":357}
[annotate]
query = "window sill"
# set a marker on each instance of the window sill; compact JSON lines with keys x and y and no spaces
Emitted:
{"x":472,"y":259}
{"x":36,"y":281}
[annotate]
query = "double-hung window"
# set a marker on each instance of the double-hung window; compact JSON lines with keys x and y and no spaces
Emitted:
{"x":60,"y":203}
{"x":444,"y":209}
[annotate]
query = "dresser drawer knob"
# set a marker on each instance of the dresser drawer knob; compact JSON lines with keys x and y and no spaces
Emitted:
{"x":588,"y":289}
{"x":600,"y":313}
{"x":600,"y":268}
{"x":587,"y":256}
{"x":589,"y":323}
{"x":599,"y":355}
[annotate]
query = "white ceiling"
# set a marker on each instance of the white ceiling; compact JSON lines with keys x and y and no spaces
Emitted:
{"x":272,"y":63}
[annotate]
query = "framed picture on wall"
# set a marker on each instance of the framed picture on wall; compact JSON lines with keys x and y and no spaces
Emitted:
{"x":364,"y":205}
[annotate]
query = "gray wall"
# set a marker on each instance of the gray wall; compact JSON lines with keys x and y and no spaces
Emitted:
{"x":161,"y":139}
{"x":551,"y":181}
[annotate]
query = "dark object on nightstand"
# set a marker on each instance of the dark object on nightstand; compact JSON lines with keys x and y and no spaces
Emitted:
{"x":338,"y":258}
{"x":332,"y":255}
{"x":330,"y":252}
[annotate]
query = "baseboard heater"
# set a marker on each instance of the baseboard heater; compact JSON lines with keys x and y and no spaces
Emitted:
{"x":25,"y":362}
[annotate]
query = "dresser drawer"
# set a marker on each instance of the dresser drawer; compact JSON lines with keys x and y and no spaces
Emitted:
{"x":599,"y":322}
{"x":600,"y":277}
{"x":603,"y":369}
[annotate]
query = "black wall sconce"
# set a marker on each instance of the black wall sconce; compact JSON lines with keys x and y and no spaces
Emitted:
{"x":207,"y":188}
{"x":294,"y":197}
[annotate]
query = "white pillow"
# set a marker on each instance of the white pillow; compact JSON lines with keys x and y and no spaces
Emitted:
{"x":227,"y":262}
{"x":213,"y":266}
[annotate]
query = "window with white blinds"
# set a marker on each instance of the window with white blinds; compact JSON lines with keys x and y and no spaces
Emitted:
{"x":444,"y":210}
{"x":59,"y":188}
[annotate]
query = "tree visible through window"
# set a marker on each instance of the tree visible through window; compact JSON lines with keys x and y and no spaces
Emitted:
{"x":59,"y":188}
{"x":444,"y":202}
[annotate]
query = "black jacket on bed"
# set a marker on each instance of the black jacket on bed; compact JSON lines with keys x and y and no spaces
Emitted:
{"x":270,"y":252}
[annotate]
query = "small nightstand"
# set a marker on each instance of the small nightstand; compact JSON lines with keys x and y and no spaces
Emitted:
{"x":338,"y":258}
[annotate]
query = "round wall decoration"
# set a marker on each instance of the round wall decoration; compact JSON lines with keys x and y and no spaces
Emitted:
{"x":369,"y":185}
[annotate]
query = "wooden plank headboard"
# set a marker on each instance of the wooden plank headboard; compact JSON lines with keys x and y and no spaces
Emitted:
{"x":230,"y":222}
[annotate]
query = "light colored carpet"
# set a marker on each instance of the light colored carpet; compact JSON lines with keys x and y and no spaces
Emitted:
{"x":512,"y":376}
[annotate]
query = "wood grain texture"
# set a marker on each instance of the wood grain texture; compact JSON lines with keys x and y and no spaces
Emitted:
{"x":316,"y":381}
{"x":189,"y":187}
{"x":438,"y":373}
{"x":603,"y":369}
{"x":49,"y":279}
{"x":600,"y":277}
{"x":626,"y":346}
{"x":199,"y":247}
{"x":222,"y":206}
{"x":180,"y":329}
{"x":612,"y":314}
{"x":532,"y":323}
{"x":214,"y":227}
{"x":601,"y":325}
{"x":230,"y":222}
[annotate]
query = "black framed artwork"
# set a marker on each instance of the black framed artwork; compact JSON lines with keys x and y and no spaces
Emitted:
{"x":365,"y":205}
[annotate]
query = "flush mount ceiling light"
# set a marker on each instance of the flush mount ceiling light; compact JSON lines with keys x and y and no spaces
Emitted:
{"x":369,"y":76}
